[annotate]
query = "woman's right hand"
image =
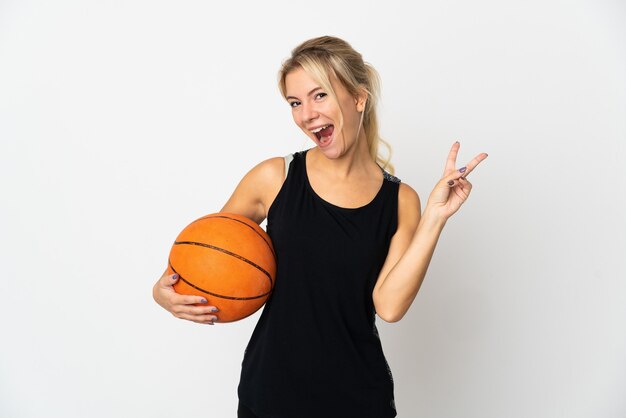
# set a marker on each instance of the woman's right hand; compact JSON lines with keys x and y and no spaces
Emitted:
{"x":182,"y":306}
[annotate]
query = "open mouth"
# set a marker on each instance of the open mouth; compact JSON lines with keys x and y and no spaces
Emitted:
{"x":323,"y":133}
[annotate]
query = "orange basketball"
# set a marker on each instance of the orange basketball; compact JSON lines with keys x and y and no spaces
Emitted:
{"x":228,"y":259}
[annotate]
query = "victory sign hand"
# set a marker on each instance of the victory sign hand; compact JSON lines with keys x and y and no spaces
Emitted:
{"x":453,"y":188}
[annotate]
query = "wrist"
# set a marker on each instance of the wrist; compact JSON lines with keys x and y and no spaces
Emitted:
{"x":431,"y":218}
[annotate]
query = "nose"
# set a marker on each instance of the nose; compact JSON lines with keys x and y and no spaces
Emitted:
{"x":309,"y":113}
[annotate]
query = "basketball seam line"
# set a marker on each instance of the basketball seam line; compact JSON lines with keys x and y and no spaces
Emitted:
{"x":241,"y":222}
{"x":213,"y":247}
{"x":214,"y":294}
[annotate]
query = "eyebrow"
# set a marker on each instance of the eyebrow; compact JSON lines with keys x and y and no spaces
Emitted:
{"x":308,"y":94}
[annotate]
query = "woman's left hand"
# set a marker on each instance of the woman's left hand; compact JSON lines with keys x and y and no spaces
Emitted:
{"x":453,"y":188}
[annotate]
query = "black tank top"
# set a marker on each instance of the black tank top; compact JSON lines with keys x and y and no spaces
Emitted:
{"x":315,"y":351}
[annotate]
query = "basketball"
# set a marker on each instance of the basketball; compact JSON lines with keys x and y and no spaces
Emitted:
{"x":229,"y":260}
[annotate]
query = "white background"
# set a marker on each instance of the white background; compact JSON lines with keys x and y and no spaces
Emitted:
{"x":122,"y":121}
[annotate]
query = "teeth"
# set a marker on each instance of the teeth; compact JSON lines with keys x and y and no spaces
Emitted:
{"x":320,"y":128}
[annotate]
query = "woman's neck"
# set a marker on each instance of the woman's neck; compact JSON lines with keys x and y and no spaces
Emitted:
{"x":355,"y":162}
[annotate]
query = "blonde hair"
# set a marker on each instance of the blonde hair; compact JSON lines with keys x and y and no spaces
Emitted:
{"x":327,"y":55}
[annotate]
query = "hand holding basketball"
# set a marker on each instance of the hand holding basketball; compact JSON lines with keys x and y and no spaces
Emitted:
{"x":224,"y":259}
{"x":191,"y":308}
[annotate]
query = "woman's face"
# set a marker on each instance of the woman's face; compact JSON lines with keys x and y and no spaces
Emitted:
{"x":318,"y":114}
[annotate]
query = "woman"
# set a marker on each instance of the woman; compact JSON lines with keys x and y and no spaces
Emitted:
{"x":351,"y":242}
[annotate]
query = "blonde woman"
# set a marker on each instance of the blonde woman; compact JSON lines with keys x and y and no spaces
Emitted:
{"x":351,"y":242}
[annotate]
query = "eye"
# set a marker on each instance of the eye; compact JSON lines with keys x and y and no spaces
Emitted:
{"x":320,"y":95}
{"x":293,"y":104}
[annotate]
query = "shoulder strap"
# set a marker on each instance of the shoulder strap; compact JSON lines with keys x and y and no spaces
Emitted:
{"x":389,"y":176}
{"x":288,"y":159}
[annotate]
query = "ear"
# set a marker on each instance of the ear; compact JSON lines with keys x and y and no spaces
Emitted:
{"x":360,"y":100}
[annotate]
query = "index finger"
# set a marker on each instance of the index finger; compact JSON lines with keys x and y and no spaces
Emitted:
{"x":168,"y":278}
{"x":451,"y":161}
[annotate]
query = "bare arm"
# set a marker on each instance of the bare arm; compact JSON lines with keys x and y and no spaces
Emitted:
{"x":393,"y":296}
{"x":251,"y":198}
{"x":414,"y":243}
{"x":256,"y":190}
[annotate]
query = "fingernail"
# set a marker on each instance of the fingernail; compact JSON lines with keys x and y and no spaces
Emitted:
{"x":175,"y":276}
{"x":462,"y":169}
{"x":450,"y":182}
{"x":203,"y":301}
{"x":214,"y":310}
